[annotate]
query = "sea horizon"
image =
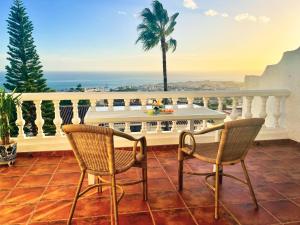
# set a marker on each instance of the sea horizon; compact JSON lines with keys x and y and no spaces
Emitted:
{"x":62,"y":80}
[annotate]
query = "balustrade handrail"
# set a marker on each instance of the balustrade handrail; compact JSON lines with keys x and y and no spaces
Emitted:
{"x":147,"y":95}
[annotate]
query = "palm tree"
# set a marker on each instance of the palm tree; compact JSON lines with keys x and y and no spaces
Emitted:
{"x":156,"y":28}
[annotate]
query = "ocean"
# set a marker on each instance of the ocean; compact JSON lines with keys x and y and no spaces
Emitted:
{"x":60,"y":81}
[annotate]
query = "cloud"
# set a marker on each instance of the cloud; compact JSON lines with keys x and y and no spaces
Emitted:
{"x":264,"y":19}
{"x":211,"y":12}
{"x":135,"y":15}
{"x":245,"y":17}
{"x":122,"y":13}
{"x":190,"y":4}
{"x":225,"y":15}
{"x":248,"y":17}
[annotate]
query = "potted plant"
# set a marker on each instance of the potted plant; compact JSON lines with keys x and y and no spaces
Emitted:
{"x":8,"y":147}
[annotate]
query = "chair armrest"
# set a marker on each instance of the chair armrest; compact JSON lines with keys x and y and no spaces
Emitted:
{"x":141,"y":140}
{"x":185,"y":133}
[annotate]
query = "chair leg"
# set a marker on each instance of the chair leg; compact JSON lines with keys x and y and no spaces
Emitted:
{"x":76,"y":198}
{"x":180,"y":170}
{"x":249,"y":184}
{"x":114,"y":203}
{"x":99,"y":187}
{"x":145,"y":183}
{"x":217,"y":178}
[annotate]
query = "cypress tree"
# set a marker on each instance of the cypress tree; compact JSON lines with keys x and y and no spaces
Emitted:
{"x":24,"y":72}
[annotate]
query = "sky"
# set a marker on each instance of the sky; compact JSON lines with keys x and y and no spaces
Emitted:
{"x":223,"y":37}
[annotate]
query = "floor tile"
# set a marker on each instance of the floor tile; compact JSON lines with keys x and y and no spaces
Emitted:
{"x":13,"y":214}
{"x":87,"y":207}
{"x":40,"y":169}
{"x":7,"y":183}
{"x":197,"y":197}
{"x":34,"y":180}
{"x":25,"y":195}
{"x":165,"y":200}
{"x":284,"y":210}
{"x":68,"y":167}
{"x":65,"y":179}
{"x":205,"y":216}
{"x":52,"y":210}
{"x":247,"y":214}
{"x":288,"y":189}
{"x":173,"y":217}
{"x":160,"y":184}
{"x":14,"y":171}
{"x":143,"y":218}
{"x":66,"y":192}
{"x":132,"y":203}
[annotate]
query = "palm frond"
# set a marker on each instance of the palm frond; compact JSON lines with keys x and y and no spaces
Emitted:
{"x":160,"y":13}
{"x":172,"y":44}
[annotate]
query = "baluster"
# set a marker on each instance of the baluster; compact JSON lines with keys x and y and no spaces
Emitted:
{"x":205,"y":104}
{"x":158,"y":127}
{"x":248,"y":105}
{"x":127,"y":127}
{"x":144,"y":127}
{"x":110,"y":104}
{"x":190,"y":102}
{"x":277,"y":111}
{"x":20,"y":121}
{"x":263,"y":107}
{"x":127,"y":104}
{"x":174,"y":126}
{"x":57,"y":119}
{"x":144,"y":103}
{"x":174,"y":102}
{"x":39,"y":119}
{"x":93,"y":105}
{"x":234,"y":114}
{"x":220,"y":104}
{"x":75,"y":119}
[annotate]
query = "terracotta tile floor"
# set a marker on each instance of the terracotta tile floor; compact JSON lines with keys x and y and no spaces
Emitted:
{"x":39,"y":190}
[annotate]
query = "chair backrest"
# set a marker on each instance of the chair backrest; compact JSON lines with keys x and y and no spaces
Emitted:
{"x":237,"y":137}
{"x":92,"y":146}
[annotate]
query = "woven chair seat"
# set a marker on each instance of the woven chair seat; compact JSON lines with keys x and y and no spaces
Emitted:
{"x":123,"y":160}
{"x":204,"y":151}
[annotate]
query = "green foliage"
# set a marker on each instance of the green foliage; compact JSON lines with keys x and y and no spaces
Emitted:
{"x":8,"y":102}
{"x":157,"y":27}
{"x":24,"y":72}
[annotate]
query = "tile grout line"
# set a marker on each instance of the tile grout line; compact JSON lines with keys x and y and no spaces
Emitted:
{"x":36,"y":204}
{"x":194,"y":219}
{"x":221,"y":203}
{"x":20,"y":178}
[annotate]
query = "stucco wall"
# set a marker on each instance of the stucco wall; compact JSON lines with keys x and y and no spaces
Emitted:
{"x":284,"y":75}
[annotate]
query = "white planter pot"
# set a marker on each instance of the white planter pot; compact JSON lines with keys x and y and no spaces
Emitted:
{"x":8,"y":153}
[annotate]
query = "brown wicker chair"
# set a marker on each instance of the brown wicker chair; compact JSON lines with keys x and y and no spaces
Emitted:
{"x":236,"y":138}
{"x":94,"y":150}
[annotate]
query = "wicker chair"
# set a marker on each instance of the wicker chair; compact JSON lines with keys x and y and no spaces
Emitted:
{"x":93,"y":147}
{"x":236,"y":138}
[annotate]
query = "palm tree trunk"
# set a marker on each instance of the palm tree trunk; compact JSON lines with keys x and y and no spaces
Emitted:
{"x":164,"y":59}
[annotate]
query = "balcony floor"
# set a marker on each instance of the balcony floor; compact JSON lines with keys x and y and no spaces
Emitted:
{"x":39,"y":190}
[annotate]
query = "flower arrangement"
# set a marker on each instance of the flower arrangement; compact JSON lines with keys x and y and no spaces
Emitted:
{"x":158,"y":107}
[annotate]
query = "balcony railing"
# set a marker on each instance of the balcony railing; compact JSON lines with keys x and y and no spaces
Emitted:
{"x":269,"y":104}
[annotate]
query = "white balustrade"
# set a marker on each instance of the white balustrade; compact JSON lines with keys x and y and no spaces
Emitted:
{"x":57,"y":119}
{"x":20,"y":121}
{"x":271,"y":110}
{"x":75,"y":119}
{"x":263,"y":107}
{"x":234,"y":113}
{"x":248,"y":107}
{"x":277,"y":111}
{"x":39,"y":122}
